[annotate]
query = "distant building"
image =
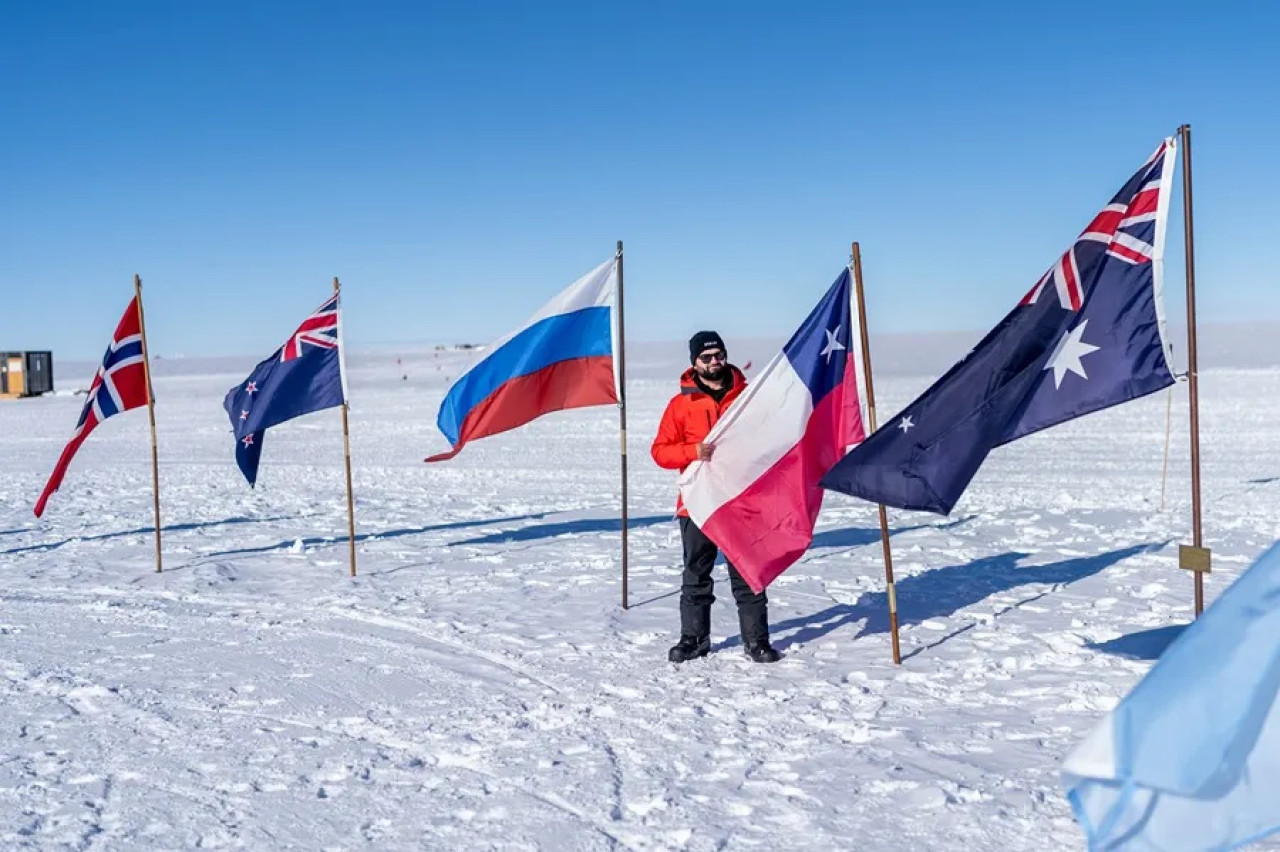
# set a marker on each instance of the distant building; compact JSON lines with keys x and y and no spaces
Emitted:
{"x":25,"y":374}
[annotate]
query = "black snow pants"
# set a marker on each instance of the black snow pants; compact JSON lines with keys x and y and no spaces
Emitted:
{"x":696,"y":594}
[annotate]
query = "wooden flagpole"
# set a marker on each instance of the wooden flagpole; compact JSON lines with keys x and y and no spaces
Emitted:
{"x":151,"y":414}
{"x":871,"y":423}
{"x":621,"y":363}
{"x":1195,"y":558}
{"x":346,"y":445}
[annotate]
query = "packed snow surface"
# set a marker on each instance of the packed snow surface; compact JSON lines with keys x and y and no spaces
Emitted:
{"x":478,"y":684}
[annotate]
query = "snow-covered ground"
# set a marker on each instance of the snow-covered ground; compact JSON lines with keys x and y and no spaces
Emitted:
{"x":478,"y":685}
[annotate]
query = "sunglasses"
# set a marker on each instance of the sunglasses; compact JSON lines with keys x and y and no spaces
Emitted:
{"x":711,"y":356}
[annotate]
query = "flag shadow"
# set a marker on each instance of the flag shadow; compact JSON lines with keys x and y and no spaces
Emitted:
{"x":371,"y":536}
{"x":942,"y":592}
{"x":859,"y":536}
{"x":169,"y":528}
{"x":1142,"y":645}
{"x":583,"y":525}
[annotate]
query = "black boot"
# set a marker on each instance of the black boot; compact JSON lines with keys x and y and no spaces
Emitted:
{"x":689,"y":648}
{"x":762,"y":652}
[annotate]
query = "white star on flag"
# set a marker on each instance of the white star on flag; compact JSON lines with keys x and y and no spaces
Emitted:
{"x":905,"y":425}
{"x":244,"y":415}
{"x":247,"y":440}
{"x":252,"y":387}
{"x":833,"y":344}
{"x":1066,"y":356}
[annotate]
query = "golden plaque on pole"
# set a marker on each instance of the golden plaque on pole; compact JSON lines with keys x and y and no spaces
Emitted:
{"x":1193,"y":558}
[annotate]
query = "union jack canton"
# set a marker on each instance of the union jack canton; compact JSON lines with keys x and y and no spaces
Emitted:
{"x":302,"y":376}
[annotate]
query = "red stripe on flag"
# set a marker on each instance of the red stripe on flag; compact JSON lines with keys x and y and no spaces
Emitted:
{"x":1106,"y":222}
{"x":767,"y":527}
{"x":575,"y":383}
{"x":1146,"y":201}
{"x":1071,"y":276}
{"x":1128,"y":253}
{"x":317,"y":322}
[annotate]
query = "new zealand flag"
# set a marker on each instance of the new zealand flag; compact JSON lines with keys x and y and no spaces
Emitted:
{"x":1089,"y":335}
{"x":304,"y":375}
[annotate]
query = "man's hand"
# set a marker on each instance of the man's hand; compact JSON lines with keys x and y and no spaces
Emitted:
{"x":705,"y":451}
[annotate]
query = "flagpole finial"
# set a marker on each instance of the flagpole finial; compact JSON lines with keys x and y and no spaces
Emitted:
{"x":336,"y":285}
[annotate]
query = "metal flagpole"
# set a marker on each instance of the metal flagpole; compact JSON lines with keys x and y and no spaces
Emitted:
{"x":1195,"y":558}
{"x":621,"y":363}
{"x":346,"y":444}
{"x":1168,"y":429}
{"x":871,"y":423}
{"x":151,"y":414}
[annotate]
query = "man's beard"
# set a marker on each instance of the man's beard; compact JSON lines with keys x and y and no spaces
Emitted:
{"x":709,"y":373}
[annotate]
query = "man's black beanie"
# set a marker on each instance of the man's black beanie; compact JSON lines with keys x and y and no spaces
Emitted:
{"x":702,"y":341}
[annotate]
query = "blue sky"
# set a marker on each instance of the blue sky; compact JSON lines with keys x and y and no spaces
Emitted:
{"x":456,"y":164}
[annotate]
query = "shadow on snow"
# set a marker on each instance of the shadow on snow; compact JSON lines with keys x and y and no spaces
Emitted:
{"x":860,"y":536}
{"x":170,"y":528}
{"x":942,"y":592}
{"x":536,"y":532}
{"x":312,"y":541}
{"x":1142,"y":645}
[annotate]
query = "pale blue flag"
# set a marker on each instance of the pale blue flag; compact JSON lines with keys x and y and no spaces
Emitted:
{"x":1190,"y":759}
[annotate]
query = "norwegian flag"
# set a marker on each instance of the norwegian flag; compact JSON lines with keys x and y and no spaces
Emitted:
{"x":119,"y":385}
{"x":302,"y":376}
{"x":1089,"y":335}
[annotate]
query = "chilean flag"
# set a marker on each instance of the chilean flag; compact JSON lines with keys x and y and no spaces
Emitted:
{"x":758,"y":496}
{"x":562,"y":357}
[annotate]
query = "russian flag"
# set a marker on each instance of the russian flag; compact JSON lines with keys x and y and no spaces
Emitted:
{"x":562,"y":357}
{"x":758,"y":496}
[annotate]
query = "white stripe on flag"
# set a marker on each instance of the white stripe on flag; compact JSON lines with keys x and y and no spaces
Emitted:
{"x":767,"y":421}
{"x":597,"y":289}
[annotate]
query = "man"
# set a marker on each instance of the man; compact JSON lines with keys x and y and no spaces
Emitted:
{"x":707,"y":388}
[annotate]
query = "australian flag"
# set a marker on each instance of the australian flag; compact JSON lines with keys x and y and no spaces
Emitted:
{"x":1089,"y":335}
{"x":304,"y":375}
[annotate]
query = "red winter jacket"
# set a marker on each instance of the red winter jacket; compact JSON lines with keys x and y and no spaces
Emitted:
{"x":687,"y":422}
